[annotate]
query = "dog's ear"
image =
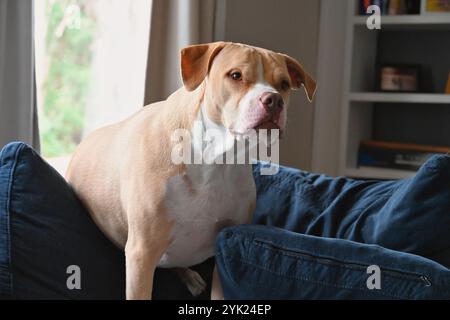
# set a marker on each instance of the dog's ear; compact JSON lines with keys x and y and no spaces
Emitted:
{"x":196,"y":62}
{"x":299,"y":77}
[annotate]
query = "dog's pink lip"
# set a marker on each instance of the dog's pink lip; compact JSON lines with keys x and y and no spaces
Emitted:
{"x":270,"y":124}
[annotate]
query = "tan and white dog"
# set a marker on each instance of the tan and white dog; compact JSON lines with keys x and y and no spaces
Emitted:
{"x":168,"y":215}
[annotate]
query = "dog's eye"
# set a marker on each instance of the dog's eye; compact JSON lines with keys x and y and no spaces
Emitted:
{"x":285,"y":85}
{"x":236,"y":75}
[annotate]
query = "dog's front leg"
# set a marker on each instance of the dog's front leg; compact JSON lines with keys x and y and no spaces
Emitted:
{"x":140,"y":268}
{"x":147,"y":241}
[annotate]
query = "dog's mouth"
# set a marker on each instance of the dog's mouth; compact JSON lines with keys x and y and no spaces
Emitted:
{"x":268,"y":124}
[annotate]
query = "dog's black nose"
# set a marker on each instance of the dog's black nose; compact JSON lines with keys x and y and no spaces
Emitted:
{"x":272,"y":101}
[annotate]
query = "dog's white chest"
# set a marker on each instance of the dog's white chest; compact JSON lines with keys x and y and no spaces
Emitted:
{"x":202,"y":201}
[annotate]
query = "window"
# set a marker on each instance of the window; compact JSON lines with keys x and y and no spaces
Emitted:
{"x":91,"y":58}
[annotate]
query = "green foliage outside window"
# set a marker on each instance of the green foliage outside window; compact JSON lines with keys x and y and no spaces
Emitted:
{"x":68,"y":48}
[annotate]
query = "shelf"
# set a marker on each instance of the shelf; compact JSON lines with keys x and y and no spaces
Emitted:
{"x":378,"y":173}
{"x":409,"y":21}
{"x":400,"y":116}
{"x":400,"y":97}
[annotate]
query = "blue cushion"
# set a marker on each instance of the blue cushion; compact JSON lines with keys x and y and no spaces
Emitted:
{"x":44,"y":229}
{"x":411,"y":215}
{"x":340,"y":228}
{"x":260,"y":262}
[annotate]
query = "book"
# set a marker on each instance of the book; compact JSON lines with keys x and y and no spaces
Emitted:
{"x":447,"y":90}
{"x":396,"y":155}
{"x":394,"y":7}
{"x":363,"y":5}
{"x":437,"y":6}
{"x":377,"y":3}
{"x":412,"y":6}
{"x":384,"y":7}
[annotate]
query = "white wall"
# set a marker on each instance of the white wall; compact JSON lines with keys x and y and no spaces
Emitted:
{"x":330,"y":75}
{"x":289,"y":26}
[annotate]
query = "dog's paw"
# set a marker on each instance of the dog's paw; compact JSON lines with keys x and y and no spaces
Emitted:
{"x":193,"y":281}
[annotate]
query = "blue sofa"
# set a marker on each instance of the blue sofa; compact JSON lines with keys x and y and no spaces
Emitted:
{"x":314,"y":237}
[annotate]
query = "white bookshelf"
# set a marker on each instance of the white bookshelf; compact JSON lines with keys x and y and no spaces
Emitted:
{"x":418,"y":21}
{"x":359,"y":98}
{"x":378,"y":173}
{"x":400,"y":97}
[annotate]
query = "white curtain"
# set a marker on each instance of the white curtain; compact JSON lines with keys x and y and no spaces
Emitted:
{"x":174,"y":25}
{"x":18,"y":112}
